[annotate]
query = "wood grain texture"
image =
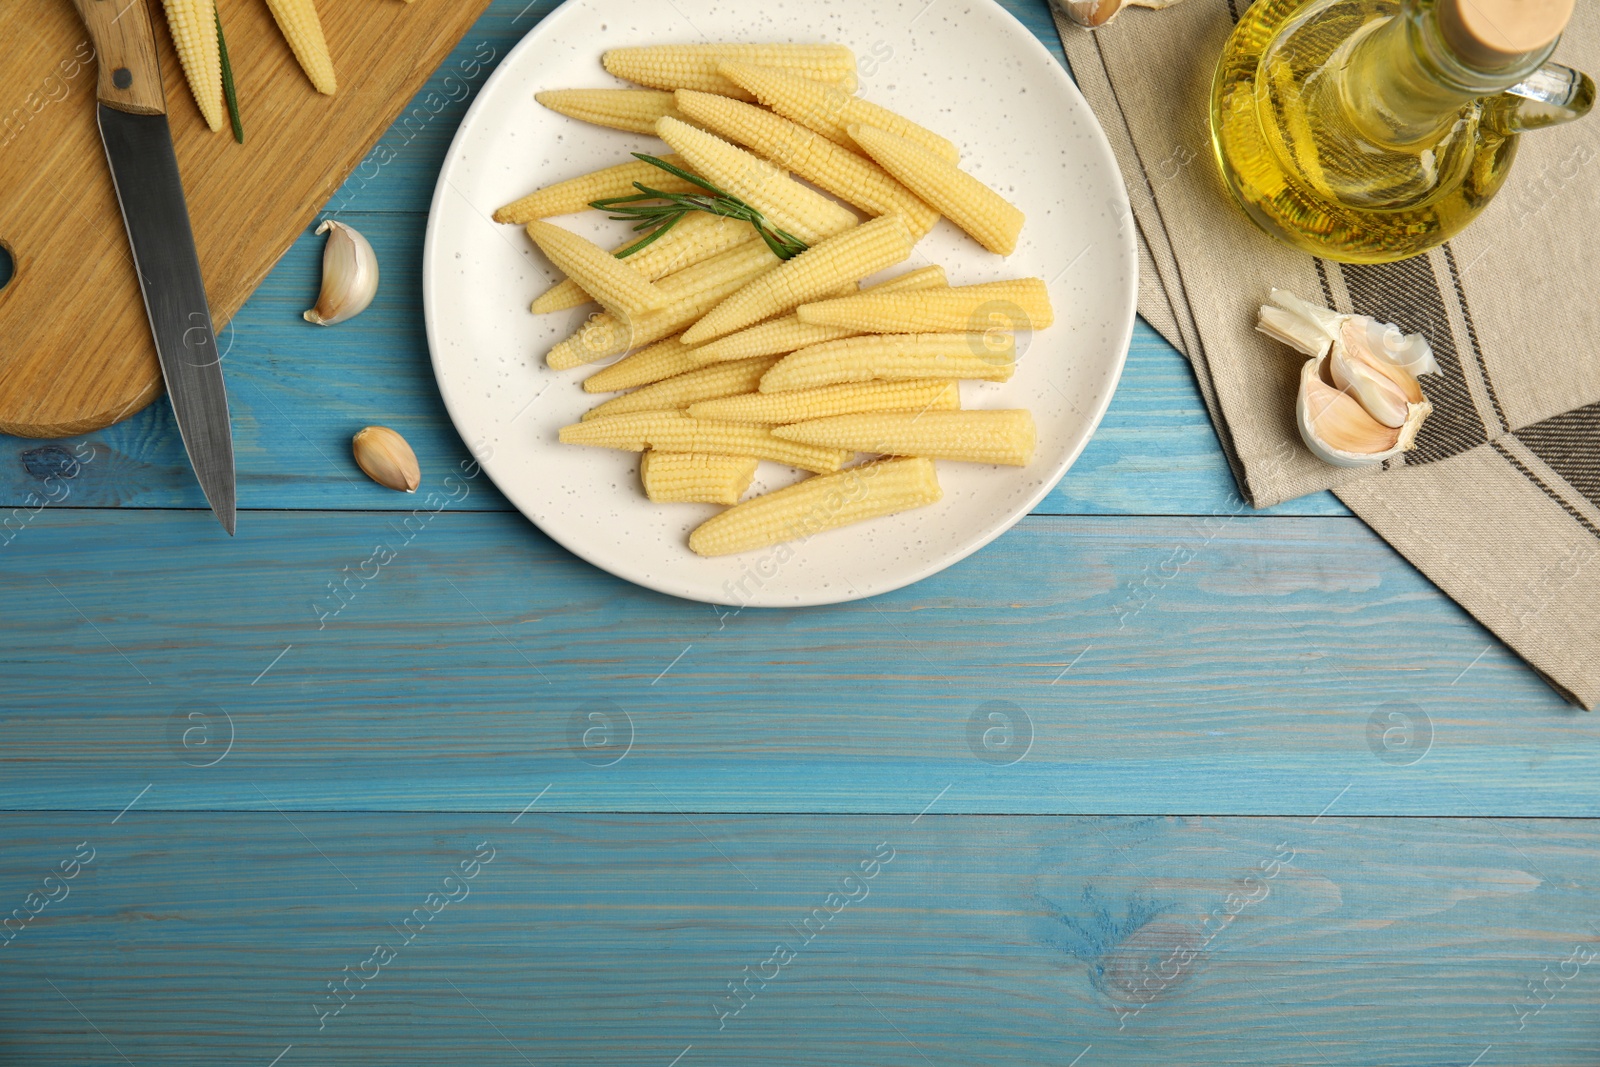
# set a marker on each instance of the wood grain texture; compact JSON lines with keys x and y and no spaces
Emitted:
{"x":1164,"y":665}
{"x":212,"y":938}
{"x":1211,"y":660}
{"x":78,"y":354}
{"x":124,"y":42}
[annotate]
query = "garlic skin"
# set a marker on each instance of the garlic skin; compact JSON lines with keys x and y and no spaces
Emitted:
{"x":349,"y":275}
{"x":1409,"y":352}
{"x":1299,"y":324}
{"x":1359,"y":401}
{"x":386,"y":458}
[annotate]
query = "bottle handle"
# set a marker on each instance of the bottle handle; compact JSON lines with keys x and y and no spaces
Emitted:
{"x":1549,"y":96}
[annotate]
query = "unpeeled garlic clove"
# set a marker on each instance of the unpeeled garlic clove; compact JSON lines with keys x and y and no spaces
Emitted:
{"x":1095,"y":13}
{"x":1361,"y":365}
{"x":1336,"y":427}
{"x":1383,"y":399}
{"x":349,"y":275}
{"x":386,"y":458}
{"x":1359,"y":344}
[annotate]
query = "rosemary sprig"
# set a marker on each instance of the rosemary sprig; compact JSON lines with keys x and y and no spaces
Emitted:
{"x":656,"y":211}
{"x":229,"y":93}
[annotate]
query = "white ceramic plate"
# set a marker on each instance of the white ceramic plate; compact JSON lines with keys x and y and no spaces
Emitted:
{"x":970,"y":71}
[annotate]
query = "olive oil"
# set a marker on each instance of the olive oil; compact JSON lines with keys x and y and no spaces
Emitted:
{"x":1351,"y":130}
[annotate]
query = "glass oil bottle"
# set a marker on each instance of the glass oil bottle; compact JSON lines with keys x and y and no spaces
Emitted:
{"x":1368,"y":131}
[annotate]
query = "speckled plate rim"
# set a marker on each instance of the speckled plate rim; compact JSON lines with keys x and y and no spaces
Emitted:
{"x":1110,"y":252}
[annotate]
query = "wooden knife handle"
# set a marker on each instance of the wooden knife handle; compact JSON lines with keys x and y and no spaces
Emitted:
{"x":125,"y":45}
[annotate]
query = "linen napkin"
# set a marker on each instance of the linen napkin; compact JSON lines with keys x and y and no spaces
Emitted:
{"x":1499,"y":503}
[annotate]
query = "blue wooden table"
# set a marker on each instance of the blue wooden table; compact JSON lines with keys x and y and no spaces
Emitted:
{"x":1155,"y":778}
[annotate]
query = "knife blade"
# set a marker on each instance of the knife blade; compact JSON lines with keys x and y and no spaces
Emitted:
{"x":138,"y":142}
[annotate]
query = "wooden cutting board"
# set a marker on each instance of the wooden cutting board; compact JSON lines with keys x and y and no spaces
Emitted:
{"x":75,"y":347}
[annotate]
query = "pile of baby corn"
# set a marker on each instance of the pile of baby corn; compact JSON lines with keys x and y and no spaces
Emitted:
{"x":739,"y":356}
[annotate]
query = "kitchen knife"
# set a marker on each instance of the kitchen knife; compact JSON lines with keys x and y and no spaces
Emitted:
{"x":132,"y":113}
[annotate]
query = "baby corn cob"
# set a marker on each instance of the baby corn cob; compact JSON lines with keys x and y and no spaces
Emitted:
{"x":655,"y":363}
{"x":969,"y":436}
{"x":298,"y":22}
{"x":695,"y":478}
{"x":828,"y":110}
{"x":992,"y":220}
{"x":193,"y":25}
{"x":634,"y":110}
{"x":816,"y":504}
{"x":574,"y":194}
{"x":787,"y":333}
{"x":719,"y":379}
{"x":694,"y":66}
{"x":559,"y":297}
{"x":784,"y":202}
{"x":619,"y":288}
{"x":691,"y":292}
{"x":671,"y":431}
{"x":822,"y":268}
{"x":895,"y":357}
{"x":1023,"y":304}
{"x":696,"y":238}
{"x":929,"y":277}
{"x":812,"y":156}
{"x":801,"y":405}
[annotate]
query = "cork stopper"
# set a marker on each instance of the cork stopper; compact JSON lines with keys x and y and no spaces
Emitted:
{"x":1488,"y":34}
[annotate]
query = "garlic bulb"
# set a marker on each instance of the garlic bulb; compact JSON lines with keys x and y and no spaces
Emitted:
{"x":1096,"y":13}
{"x":1359,"y":401}
{"x":349,"y":275}
{"x":386,"y":458}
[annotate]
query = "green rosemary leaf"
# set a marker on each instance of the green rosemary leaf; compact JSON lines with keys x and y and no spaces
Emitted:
{"x":656,"y":194}
{"x":229,"y":93}
{"x":772,"y":242}
{"x":693,"y":179}
{"x":790,"y":244}
{"x":631,"y":249}
{"x":653,"y":208}
{"x":606,"y":204}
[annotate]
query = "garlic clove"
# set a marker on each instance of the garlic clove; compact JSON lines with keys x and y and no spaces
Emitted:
{"x":1095,"y":13}
{"x":1337,"y":428}
{"x":1383,"y":399}
{"x":349,"y":275}
{"x":1356,"y":340}
{"x":1091,"y":13}
{"x":386,"y":458}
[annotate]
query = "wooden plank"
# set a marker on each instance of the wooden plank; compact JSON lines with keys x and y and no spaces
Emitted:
{"x":299,"y":391}
{"x":1159,"y":665}
{"x":78,"y":353}
{"x":612,"y":940}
